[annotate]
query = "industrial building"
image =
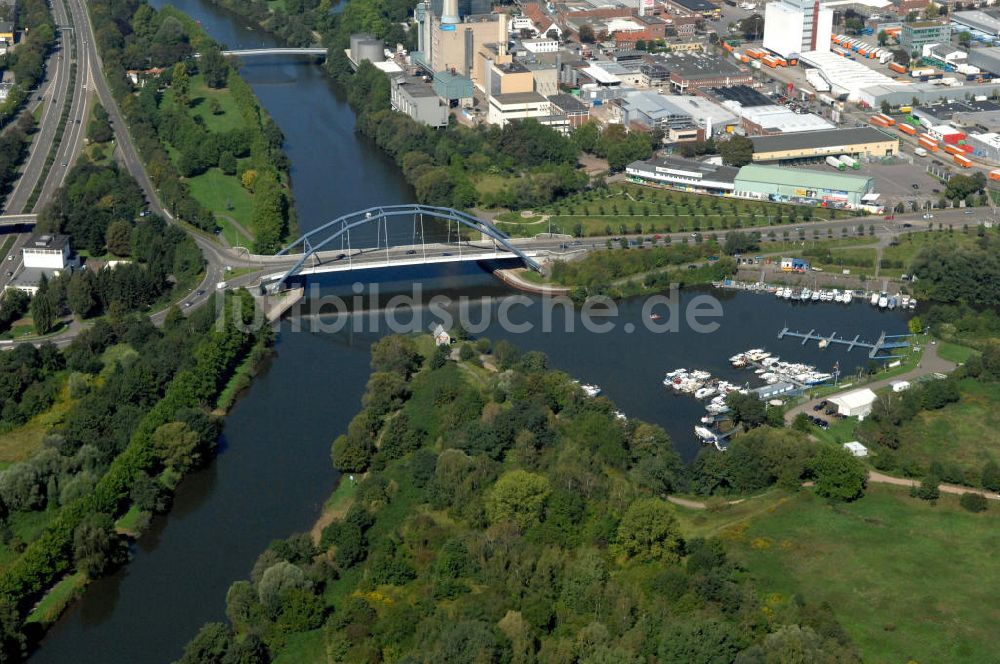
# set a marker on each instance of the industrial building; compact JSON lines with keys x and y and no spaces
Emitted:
{"x":977,"y":21}
{"x":985,"y":146}
{"x":916,"y":35}
{"x":846,"y":77}
{"x":449,"y":42}
{"x":652,"y":110}
{"x":699,"y":70}
{"x":415,"y":97}
{"x":773,"y":120}
{"x":517,"y":106}
{"x":860,"y":141}
{"x":684,"y":174}
{"x":922,"y":93}
{"x":796,"y":185}
{"x":987,"y":59}
{"x":793,"y":27}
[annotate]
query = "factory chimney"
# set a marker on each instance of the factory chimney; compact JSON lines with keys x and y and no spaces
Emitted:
{"x":449,"y":12}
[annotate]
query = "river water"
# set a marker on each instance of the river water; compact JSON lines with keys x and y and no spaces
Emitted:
{"x":273,"y":471}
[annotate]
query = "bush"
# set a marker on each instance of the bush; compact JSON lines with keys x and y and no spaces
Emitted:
{"x":974,"y":502}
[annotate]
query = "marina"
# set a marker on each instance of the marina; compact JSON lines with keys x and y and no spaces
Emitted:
{"x":886,"y":342}
{"x":879,"y":299}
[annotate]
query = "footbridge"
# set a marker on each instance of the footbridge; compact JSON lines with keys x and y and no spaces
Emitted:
{"x":13,"y":220}
{"x":250,"y":52}
{"x":454,"y":236}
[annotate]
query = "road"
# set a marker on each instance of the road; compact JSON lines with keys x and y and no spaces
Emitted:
{"x":930,"y":363}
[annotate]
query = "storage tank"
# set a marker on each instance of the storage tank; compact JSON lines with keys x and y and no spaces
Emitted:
{"x":372,"y":50}
{"x":356,"y":38}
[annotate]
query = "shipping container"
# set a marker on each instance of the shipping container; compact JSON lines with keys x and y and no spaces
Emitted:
{"x":836,"y":163}
{"x":850,"y":162}
{"x":769,"y":61}
{"x":905,"y":109}
{"x":995,"y":174}
{"x":906,"y":129}
{"x":781,"y":61}
{"x":888,"y":120}
{"x":878,"y":121}
{"x":896,"y":67}
{"x":964,"y":162}
{"x":952,"y":149}
{"x":918,"y":73}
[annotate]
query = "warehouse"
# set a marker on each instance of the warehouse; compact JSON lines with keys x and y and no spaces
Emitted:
{"x":987,"y":59}
{"x":795,"y":185}
{"x":922,"y":93}
{"x":860,"y":141}
{"x":684,"y":174}
{"x":976,"y":20}
{"x":772,"y":120}
{"x":695,"y":70}
{"x":846,"y":77}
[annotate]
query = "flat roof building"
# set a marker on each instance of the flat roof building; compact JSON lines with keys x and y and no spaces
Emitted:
{"x":977,"y":20}
{"x":798,"y":185}
{"x":683,"y":174}
{"x":517,"y":106}
{"x":916,"y":35}
{"x":698,"y":70}
{"x":416,"y":98}
{"x":771,"y":120}
{"x":863,"y":141}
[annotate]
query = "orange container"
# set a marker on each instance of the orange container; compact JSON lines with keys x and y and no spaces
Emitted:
{"x":906,"y":129}
{"x":951,"y":149}
{"x":896,"y":67}
{"x":995,"y":174}
{"x":964,"y":162}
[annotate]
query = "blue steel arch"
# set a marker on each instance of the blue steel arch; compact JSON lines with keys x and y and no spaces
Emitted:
{"x":345,"y":223}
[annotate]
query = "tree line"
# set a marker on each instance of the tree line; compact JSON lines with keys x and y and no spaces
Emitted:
{"x":127,"y":440}
{"x":132,"y":35}
{"x":506,"y":518}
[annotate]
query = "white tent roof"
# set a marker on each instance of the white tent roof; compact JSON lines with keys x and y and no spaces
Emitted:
{"x":855,"y":399}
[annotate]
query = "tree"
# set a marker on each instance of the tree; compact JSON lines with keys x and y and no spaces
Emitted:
{"x":839,"y":475}
{"x":278,"y":580}
{"x":213,"y":67}
{"x":96,"y":547}
{"x":396,"y":354}
{"x":119,"y":238}
{"x":180,"y":82}
{"x":210,"y":645}
{"x":518,"y":496}
{"x":227,"y":163}
{"x":928,"y":488}
{"x":974,"y":502}
{"x":352,"y":454}
{"x":883,"y":37}
{"x":42,"y":314}
{"x":991,"y":476}
{"x":177,"y":446}
{"x":751,"y":27}
{"x":99,"y":130}
{"x":965,"y":38}
{"x":748,"y":409}
{"x":649,"y":532}
{"x":737,"y":151}
{"x":587,"y":34}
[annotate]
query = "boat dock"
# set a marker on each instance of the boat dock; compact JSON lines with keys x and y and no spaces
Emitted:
{"x":886,"y":342}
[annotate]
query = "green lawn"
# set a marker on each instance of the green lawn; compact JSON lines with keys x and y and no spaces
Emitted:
{"x":48,"y":610}
{"x":954,"y":352}
{"x":964,"y":433}
{"x":911,"y":244}
{"x":225,"y":196}
{"x":907,"y":580}
{"x":21,"y":443}
{"x":25,"y":527}
{"x":201,"y":96}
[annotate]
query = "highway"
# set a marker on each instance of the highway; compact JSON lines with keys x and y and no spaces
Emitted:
{"x":56,"y":99}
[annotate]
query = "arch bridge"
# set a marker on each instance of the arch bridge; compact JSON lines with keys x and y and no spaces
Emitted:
{"x":320,"y":255}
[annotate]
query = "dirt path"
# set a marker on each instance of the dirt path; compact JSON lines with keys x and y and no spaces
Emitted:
{"x":930,"y":362}
{"x":874,"y":477}
{"x":880,"y":478}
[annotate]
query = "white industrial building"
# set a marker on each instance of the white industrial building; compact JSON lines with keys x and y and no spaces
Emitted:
{"x":758,"y":120}
{"x":793,"y":27}
{"x":846,"y":77}
{"x":685,"y":174}
{"x":857,"y":403}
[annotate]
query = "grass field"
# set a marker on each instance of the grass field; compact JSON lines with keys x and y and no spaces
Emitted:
{"x":226,"y":197}
{"x":50,"y":607}
{"x":912,"y":243}
{"x":954,"y":352}
{"x":201,"y":106}
{"x":964,"y":433}
{"x":908,"y":580}
{"x":21,"y":443}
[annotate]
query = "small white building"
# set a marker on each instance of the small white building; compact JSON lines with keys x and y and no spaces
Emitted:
{"x":857,"y":403}
{"x":441,"y":337}
{"x":540,"y":45}
{"x":856,"y":449}
{"x":517,"y":106}
{"x":900,"y":385}
{"x":48,"y":252}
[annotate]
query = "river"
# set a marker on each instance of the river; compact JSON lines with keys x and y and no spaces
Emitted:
{"x":273,"y":470}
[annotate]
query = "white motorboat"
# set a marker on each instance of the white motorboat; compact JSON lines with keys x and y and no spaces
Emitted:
{"x":703,"y":392}
{"x":883,"y":301}
{"x":848,"y":297}
{"x":705,"y":435}
{"x":815,"y":296}
{"x":874,"y":299}
{"x":590,"y":390}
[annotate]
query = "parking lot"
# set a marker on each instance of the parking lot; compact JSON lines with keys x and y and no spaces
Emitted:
{"x":894,"y":181}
